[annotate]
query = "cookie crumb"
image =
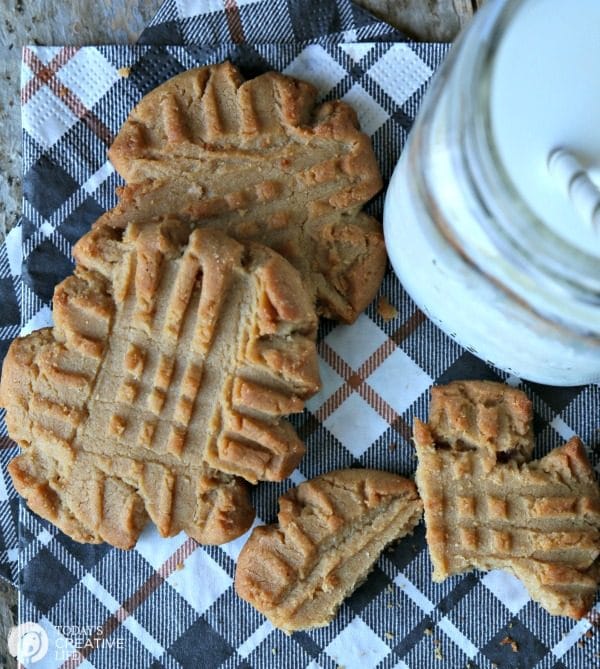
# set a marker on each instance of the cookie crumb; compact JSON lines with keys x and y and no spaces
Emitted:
{"x":124,"y":72}
{"x":389,"y":635}
{"x":437,"y":653}
{"x":428,"y":631}
{"x":179,"y":566}
{"x":508,"y":641}
{"x":385,"y":309}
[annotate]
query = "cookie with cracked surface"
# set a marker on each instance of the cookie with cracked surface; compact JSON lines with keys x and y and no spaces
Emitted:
{"x":496,"y":417}
{"x":173,"y":359}
{"x":488,"y":506}
{"x":261,"y":161}
{"x":331,"y":531}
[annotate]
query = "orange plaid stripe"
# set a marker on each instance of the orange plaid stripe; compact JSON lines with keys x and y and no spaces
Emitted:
{"x":132,"y":603}
{"x":234,"y":21}
{"x":45,"y":75}
{"x":355,"y":380}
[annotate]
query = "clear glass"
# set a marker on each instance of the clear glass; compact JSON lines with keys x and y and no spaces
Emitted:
{"x":467,"y":247}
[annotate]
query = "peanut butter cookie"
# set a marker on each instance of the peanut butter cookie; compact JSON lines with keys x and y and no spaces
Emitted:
{"x":331,"y":531}
{"x":173,"y":358}
{"x":487,"y":506}
{"x":260,"y":160}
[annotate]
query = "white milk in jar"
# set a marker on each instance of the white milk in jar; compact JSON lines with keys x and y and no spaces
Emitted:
{"x":492,"y":216}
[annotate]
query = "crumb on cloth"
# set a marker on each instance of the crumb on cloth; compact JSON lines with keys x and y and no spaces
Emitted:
{"x":385,"y":309}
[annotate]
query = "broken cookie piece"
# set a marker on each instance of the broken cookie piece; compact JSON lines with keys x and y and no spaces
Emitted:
{"x":488,"y":507}
{"x":483,"y":415}
{"x":331,"y":531}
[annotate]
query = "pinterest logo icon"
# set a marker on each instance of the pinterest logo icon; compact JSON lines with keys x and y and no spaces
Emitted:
{"x":28,"y":642}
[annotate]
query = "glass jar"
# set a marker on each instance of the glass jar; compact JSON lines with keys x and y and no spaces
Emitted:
{"x":468,"y":246}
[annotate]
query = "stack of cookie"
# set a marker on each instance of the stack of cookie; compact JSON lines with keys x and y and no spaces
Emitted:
{"x":187,"y":331}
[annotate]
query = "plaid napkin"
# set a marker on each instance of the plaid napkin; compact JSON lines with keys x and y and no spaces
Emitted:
{"x":170,"y":602}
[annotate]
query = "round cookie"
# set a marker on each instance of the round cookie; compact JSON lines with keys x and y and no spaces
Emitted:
{"x":262,"y":161}
{"x":173,"y":359}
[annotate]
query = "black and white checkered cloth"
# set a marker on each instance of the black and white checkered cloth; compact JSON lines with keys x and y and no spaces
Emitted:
{"x":169,"y":602}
